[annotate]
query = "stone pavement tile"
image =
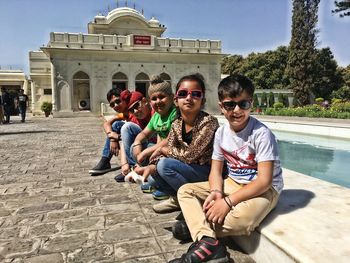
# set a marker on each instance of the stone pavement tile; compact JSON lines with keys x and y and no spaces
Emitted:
{"x":46,"y":207}
{"x":118,"y":199}
{"x":162,"y":228}
{"x":154,"y":217}
{"x":12,"y":232}
{"x":44,"y":230}
{"x":81,"y":202}
{"x":113,"y":209}
{"x":134,"y":218}
{"x":65,"y":214}
{"x":66,"y":198}
{"x":4,"y":211}
{"x":20,"y":220}
{"x":136,"y":248}
{"x":169,"y":244}
{"x":124,"y":232}
{"x":28,"y":201}
{"x":151,"y":259}
{"x":84,"y":224}
{"x":67,"y":242}
{"x":18,"y":248}
{"x":91,"y":254}
{"x":16,"y":196}
{"x":49,"y":258}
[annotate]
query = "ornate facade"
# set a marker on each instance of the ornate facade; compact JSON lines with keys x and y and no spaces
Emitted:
{"x":122,"y":49}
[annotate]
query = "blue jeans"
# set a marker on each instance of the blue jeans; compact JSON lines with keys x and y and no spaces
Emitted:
{"x":128,"y":132}
{"x":116,"y":127}
{"x":22,"y":111}
{"x":173,"y":173}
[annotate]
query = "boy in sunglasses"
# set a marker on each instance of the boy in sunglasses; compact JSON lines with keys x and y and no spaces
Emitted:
{"x":235,"y":205}
{"x":118,"y":101}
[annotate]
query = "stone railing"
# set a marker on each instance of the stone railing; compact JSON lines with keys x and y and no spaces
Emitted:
{"x":126,"y":43}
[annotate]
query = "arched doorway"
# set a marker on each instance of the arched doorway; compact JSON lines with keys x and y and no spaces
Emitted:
{"x":81,"y":91}
{"x":165,"y":77}
{"x":142,"y":83}
{"x":120,"y":80}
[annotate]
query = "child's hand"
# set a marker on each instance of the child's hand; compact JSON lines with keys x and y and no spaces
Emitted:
{"x":209,"y":202}
{"x":155,"y":154}
{"x":146,"y":171}
{"x":141,"y":157}
{"x":217,"y":212}
{"x":125,"y":168}
{"x":114,"y":147}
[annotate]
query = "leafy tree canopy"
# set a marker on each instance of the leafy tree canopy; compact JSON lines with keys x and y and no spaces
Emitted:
{"x":342,"y":7}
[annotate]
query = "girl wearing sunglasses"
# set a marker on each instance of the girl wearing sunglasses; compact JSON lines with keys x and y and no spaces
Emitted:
{"x":189,"y":144}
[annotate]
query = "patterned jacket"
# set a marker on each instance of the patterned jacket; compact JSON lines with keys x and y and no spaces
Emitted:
{"x":199,"y":151}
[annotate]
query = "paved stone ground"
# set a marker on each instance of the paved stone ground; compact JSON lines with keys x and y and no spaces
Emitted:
{"x":52,"y":210}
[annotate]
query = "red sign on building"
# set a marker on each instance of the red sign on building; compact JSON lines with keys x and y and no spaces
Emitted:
{"x":142,"y":40}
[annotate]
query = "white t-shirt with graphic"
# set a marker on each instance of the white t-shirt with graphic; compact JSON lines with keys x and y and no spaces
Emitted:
{"x":245,"y":149}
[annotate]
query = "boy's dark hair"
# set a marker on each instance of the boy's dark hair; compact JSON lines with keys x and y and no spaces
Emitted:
{"x":113,"y":92}
{"x":194,"y":77}
{"x":234,"y":85}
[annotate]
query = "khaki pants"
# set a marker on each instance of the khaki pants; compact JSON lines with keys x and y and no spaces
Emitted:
{"x":242,"y":220}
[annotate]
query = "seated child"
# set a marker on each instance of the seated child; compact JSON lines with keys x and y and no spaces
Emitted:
{"x":118,"y":101}
{"x":236,"y":205}
{"x":141,"y":112}
{"x":189,"y":145}
{"x":162,"y":101}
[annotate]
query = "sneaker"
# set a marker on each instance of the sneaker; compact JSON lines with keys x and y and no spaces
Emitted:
{"x":120,"y":178}
{"x":147,"y":188}
{"x":167,"y":206}
{"x":159,"y":195}
{"x":180,"y":231}
{"x":206,"y":250}
{"x":102,"y":167}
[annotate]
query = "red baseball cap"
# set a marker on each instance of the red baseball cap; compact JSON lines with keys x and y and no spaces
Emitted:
{"x":135,"y":97}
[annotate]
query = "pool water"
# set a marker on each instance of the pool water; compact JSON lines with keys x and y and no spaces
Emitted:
{"x":325,"y":158}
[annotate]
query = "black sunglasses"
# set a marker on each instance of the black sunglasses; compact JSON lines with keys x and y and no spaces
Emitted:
{"x":183,"y":93}
{"x":135,"y":107}
{"x":114,"y":103}
{"x":231,"y":105}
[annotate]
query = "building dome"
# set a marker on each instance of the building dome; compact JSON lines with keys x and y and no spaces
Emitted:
{"x":153,"y":22}
{"x":123,"y":11}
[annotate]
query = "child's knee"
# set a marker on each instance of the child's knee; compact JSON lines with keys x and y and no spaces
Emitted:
{"x":184,"y":190}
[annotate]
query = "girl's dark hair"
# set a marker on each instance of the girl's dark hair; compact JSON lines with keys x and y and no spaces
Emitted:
{"x":194,"y":77}
{"x":234,"y":85}
{"x":113,"y":92}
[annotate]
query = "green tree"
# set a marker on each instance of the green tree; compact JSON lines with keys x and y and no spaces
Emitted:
{"x":328,"y":76}
{"x":271,"y":99}
{"x":342,"y":7}
{"x":302,"y":60}
{"x":231,"y":64}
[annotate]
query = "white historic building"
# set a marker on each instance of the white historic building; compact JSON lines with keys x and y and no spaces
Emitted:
{"x":122,"y":49}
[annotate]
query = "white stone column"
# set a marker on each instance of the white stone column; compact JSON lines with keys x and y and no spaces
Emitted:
{"x":25,"y":86}
{"x":53,"y":86}
{"x":33,"y":92}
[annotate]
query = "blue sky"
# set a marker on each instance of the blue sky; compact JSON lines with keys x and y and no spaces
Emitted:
{"x":243,"y":26}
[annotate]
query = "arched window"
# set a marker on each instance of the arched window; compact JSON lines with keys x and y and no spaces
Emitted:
{"x":165,"y":77}
{"x":120,"y":80}
{"x":142,"y":83}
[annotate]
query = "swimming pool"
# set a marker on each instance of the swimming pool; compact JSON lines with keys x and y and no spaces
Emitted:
{"x":325,"y":158}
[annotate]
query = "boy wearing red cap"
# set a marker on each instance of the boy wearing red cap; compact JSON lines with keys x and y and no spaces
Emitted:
{"x":120,"y":102}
